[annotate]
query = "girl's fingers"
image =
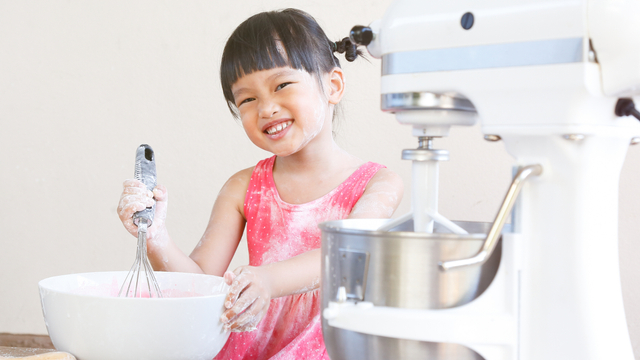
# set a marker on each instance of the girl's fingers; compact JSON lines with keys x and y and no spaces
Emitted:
{"x":229,"y":276}
{"x":248,"y":327}
{"x":161,"y":211}
{"x":135,"y":187}
{"x":239,"y":270}
{"x":246,"y":300}
{"x":236,"y":301}
{"x":136,"y":197}
{"x":160,"y":193}
{"x":133,"y":183}
{"x":132,"y":200}
{"x":250,"y":317}
{"x":241,"y":281}
{"x":142,"y":199}
{"x":131,"y":204}
{"x":138,"y":191}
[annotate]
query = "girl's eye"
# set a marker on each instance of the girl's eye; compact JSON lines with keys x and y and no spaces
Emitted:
{"x":281,"y":86}
{"x":246,"y":101}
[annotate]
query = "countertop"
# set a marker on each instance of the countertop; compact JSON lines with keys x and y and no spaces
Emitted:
{"x":33,"y":354}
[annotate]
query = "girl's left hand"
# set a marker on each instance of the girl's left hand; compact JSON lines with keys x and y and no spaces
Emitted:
{"x":248,"y":299}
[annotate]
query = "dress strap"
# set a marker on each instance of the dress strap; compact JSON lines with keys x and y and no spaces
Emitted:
{"x":261,"y":184}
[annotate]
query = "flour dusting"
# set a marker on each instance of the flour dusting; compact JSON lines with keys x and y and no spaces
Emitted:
{"x":277,"y":231}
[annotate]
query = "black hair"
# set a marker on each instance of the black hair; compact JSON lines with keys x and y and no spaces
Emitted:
{"x":258,"y":44}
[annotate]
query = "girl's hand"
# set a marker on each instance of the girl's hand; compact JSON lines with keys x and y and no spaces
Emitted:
{"x":135,"y":197}
{"x":248,"y":299}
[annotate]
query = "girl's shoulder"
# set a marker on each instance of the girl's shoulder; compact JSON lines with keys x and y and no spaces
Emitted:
{"x":236,"y":187}
{"x":232,"y":193}
{"x":381,"y":196}
{"x":240,"y":180}
{"x":385,"y":180}
{"x":238,"y":183}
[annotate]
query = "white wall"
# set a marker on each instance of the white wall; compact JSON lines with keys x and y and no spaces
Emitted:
{"x":83,"y":83}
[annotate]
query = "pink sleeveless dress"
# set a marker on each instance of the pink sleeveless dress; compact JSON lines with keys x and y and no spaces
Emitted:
{"x":276,"y":231}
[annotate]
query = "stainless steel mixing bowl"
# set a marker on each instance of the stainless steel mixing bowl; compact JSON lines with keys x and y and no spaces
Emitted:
{"x":399,"y":268}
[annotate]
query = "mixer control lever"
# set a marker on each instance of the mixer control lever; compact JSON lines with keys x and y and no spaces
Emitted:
{"x":626,"y":107}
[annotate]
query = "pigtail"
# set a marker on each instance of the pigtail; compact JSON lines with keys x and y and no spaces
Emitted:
{"x":346,"y":47}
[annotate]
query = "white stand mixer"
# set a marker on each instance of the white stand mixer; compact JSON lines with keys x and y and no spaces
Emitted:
{"x":544,"y":77}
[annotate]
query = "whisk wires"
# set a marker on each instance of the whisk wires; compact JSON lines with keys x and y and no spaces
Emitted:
{"x":137,"y":284}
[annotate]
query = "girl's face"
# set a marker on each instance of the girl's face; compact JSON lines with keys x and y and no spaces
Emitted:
{"x":283,"y":109}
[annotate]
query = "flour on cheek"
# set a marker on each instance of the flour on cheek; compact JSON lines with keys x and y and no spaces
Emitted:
{"x":316,"y":121}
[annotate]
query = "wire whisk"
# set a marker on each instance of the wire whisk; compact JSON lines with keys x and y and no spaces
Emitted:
{"x":141,"y":281}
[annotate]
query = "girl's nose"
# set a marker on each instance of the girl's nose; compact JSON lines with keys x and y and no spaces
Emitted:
{"x":268,"y":108}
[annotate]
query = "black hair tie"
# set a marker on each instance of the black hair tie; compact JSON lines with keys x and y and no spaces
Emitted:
{"x":346,"y":47}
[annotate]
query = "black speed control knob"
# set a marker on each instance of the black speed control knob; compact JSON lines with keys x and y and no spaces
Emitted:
{"x":361,"y":35}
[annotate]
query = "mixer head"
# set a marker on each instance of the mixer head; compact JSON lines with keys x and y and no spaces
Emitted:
{"x":429,"y":113}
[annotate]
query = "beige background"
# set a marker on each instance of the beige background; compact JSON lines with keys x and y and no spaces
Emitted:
{"x":83,"y":83}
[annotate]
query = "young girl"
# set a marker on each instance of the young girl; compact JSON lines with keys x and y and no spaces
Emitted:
{"x":281,"y":79}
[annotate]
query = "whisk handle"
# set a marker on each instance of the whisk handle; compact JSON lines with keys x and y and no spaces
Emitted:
{"x":145,"y":171}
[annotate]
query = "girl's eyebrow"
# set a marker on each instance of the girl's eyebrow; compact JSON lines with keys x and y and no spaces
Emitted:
{"x":284,"y":72}
{"x":239,"y":92}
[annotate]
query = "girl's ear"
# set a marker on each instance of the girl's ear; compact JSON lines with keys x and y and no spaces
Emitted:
{"x":336,"y":85}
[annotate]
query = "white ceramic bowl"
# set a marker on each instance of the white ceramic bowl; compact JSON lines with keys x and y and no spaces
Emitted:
{"x":85,"y":317}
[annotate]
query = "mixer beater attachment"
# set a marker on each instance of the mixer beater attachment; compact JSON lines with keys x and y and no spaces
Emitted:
{"x":424,"y":200}
{"x":136,"y":284}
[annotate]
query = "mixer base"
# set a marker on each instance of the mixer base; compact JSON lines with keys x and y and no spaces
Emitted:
{"x":350,"y":345}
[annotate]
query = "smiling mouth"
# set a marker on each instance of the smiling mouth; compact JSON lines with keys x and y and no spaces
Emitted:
{"x":278,"y":128}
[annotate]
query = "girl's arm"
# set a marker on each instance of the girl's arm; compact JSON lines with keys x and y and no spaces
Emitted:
{"x":226,"y":224}
{"x":253,"y":287}
{"x":223,"y":231}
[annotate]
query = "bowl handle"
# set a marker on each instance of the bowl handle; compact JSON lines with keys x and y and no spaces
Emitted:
{"x":496,"y":229}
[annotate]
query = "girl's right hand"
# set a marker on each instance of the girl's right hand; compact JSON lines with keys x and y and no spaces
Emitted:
{"x":135,"y":197}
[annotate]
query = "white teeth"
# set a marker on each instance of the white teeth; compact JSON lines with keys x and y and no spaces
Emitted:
{"x":277,"y":128}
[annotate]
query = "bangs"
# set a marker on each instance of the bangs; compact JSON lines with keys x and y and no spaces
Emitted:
{"x":271,"y":40}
